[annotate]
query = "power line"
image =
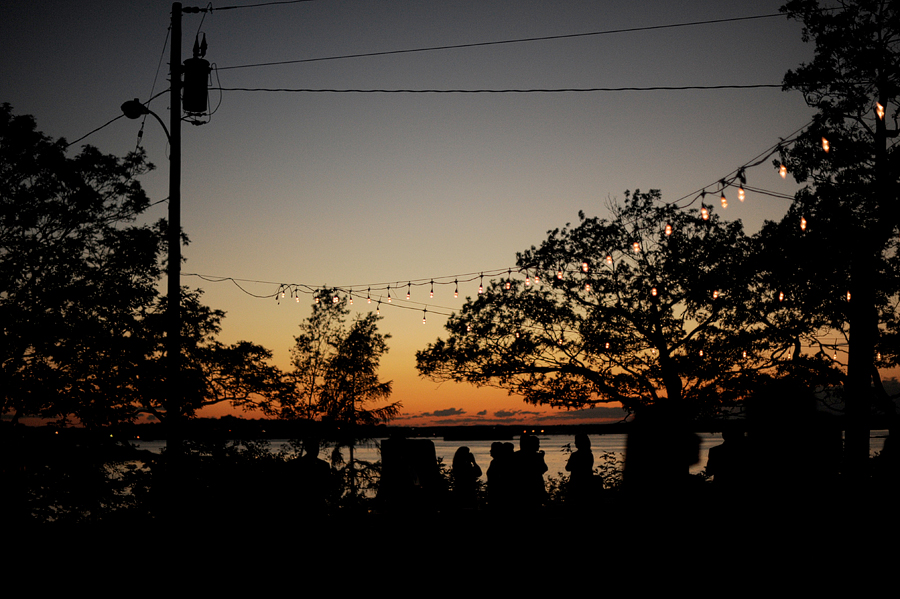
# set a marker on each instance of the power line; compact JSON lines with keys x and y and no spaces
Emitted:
{"x":497,"y":91}
{"x":500,"y":42}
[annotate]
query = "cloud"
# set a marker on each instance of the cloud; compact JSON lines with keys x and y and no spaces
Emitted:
{"x":448,"y":412}
{"x":482,"y":413}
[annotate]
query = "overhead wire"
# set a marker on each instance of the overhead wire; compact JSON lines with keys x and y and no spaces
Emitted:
{"x":501,"y":42}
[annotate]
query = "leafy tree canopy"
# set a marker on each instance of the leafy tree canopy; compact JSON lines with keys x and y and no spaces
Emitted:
{"x":649,"y":306}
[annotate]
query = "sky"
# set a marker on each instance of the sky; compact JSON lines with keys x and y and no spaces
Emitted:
{"x":336,"y":189}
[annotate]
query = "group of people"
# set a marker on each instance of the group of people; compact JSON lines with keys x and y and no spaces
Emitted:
{"x":515,"y":479}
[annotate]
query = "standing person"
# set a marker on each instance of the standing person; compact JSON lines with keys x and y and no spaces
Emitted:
{"x":581,"y":471}
{"x":501,"y":477}
{"x":530,"y":469}
{"x":465,"y":479}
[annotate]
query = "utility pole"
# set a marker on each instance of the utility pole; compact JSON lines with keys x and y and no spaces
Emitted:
{"x":174,"y":442}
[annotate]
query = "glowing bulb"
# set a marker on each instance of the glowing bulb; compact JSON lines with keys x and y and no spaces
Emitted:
{"x":741,"y":193}
{"x":825,"y":145}
{"x":704,"y":213}
{"x":335,"y":300}
{"x":653,"y":292}
{"x":432,"y":290}
{"x":456,"y":290}
{"x":744,"y":354}
{"x":298,"y":299}
{"x":508,"y":285}
{"x":716,"y":294}
{"x":282,"y":295}
{"x":424,"y":312}
{"x":668,"y":230}
{"x":407,"y":295}
{"x":609,"y":259}
{"x":559,"y":274}
{"x":537,"y":279}
{"x":701,"y":353}
{"x":587,"y":286}
{"x":802,"y":224}
{"x":724,"y":201}
{"x":607,"y":345}
{"x":584,"y":267}
{"x":780,"y":296}
{"x":528,"y":281}
{"x":783,"y":171}
{"x":879,"y":110}
{"x":636,"y":246}
{"x":351,"y":300}
{"x":848,"y":296}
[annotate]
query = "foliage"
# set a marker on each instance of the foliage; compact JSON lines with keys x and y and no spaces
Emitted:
{"x":83,"y":324}
{"x":847,"y":257}
{"x":646,"y":306}
{"x":335,"y":376}
{"x":73,"y":267}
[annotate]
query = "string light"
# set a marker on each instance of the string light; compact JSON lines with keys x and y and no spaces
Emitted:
{"x":701,"y":353}
{"x":609,"y":259}
{"x":424,"y":312}
{"x":584,"y":267}
{"x":879,"y":110}
{"x":704,"y":213}
{"x":724,"y":200}
{"x":481,"y":285}
{"x":802,"y":224}
{"x":456,"y":290}
{"x":783,"y":171}
{"x":668,"y":229}
{"x":653,"y":291}
{"x":527,"y":281}
{"x":559,"y":274}
{"x":716,"y":294}
{"x":335,"y":300}
{"x":389,"y":294}
{"x":408,"y":290}
{"x":825,"y":145}
{"x":432,"y":289}
{"x":636,"y":246}
{"x":781,"y":296}
{"x":369,"y":295}
{"x":741,"y":194}
{"x":848,"y":296}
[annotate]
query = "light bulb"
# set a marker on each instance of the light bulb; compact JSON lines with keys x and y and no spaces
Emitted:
{"x":636,"y":246}
{"x":456,"y":290}
{"x":724,"y":201}
{"x":783,"y":171}
{"x":741,"y":193}
{"x":848,"y":296}
{"x":781,"y":296}
{"x":701,"y":353}
{"x":584,"y":267}
{"x":744,"y":354}
{"x":653,"y":291}
{"x":802,"y":224}
{"x":825,"y":145}
{"x":879,"y":110}
{"x":528,"y":281}
{"x":668,"y":230}
{"x":704,"y":213}
{"x":607,"y":345}
{"x":716,"y":294}
{"x":335,"y":300}
{"x":609,"y":259}
{"x":432,"y":289}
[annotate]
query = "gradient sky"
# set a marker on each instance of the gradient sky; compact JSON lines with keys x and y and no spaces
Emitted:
{"x":362,"y":189}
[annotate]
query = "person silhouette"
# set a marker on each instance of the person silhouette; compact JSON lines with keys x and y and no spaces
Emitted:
{"x":581,"y":471}
{"x":501,"y":477}
{"x":465,"y":479}
{"x":530,"y":468}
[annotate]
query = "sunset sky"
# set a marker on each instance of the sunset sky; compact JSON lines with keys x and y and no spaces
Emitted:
{"x":337,"y":189}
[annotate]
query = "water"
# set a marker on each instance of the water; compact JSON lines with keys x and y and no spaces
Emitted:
{"x":552,"y":445}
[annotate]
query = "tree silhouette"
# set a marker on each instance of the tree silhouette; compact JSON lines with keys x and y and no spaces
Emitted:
{"x":74,"y":268}
{"x":848,"y":160}
{"x":83,"y":324}
{"x":648,"y":307}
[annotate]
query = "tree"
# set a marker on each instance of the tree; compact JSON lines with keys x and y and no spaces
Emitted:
{"x":848,"y":160}
{"x":335,"y":377}
{"x":335,"y":374}
{"x":74,"y":268}
{"x":83,"y":324}
{"x":645,"y":308}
